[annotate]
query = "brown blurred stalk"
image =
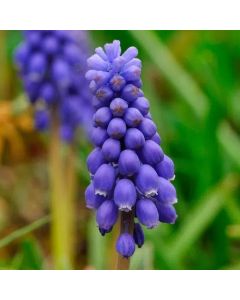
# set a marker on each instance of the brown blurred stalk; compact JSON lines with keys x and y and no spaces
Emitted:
{"x":126,"y":224}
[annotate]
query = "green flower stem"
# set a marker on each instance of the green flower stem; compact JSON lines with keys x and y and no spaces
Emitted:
{"x":71,"y":194}
{"x":126,"y":221}
{"x":60,"y":206}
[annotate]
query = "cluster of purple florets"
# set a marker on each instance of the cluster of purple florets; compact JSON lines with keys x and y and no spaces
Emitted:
{"x":129,"y":171}
{"x":52,"y":65}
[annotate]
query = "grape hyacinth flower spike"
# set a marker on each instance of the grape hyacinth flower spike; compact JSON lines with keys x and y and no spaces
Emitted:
{"x":52,"y":65}
{"x":128,"y":167}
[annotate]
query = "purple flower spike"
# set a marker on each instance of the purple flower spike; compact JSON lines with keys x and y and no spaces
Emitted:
{"x":147,"y":181}
{"x":147,"y":213}
{"x":125,"y":245}
{"x":133,"y":117}
{"x":130,"y":144}
{"x":142,"y":104}
{"x":167,"y":213}
{"x":98,"y":136}
{"x":104,"y":180}
{"x":125,"y":194}
{"x":95,"y":160}
{"x":102,"y":117}
{"x":138,"y":235}
{"x":116,"y":128}
{"x":129,"y":163}
{"x":166,"y":192}
{"x":165,"y":168}
{"x":134,"y":139}
{"x":107,"y":215}
{"x":148,"y":128}
{"x":93,"y":201}
{"x":152,"y":153}
{"x":52,"y":65}
{"x":118,"y":107}
{"x":111,"y":150}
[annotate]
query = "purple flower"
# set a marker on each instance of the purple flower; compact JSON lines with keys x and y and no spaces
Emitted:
{"x":93,"y":201}
{"x":125,"y":194}
{"x":148,"y":128}
{"x":98,"y":136}
{"x":142,"y":104}
{"x":166,"y":193}
{"x":165,"y":168}
{"x":111,"y":150}
{"x":116,"y":128}
{"x":95,"y":160}
{"x":147,"y":213}
{"x":118,"y":107}
{"x":138,"y":235}
{"x":102,"y":117}
{"x":107,"y":215}
{"x":147,"y":181}
{"x":167,"y":213}
{"x":42,"y":119}
{"x":125,"y":245}
{"x":52,"y":65}
{"x":129,"y":163}
{"x":104,"y":187}
{"x":134,"y":139}
{"x":152,"y":153}
{"x":129,"y":166}
{"x":133,"y":117}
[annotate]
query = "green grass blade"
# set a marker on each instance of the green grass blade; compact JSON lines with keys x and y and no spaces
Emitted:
{"x":173,"y":72}
{"x":230,"y":142}
{"x":200,"y":216}
{"x":23,"y":231}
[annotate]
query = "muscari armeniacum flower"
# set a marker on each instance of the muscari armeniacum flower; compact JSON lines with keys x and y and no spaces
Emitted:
{"x":129,"y":170}
{"x":52,"y":65}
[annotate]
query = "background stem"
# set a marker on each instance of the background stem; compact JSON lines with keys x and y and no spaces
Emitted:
{"x":61,"y":210}
{"x":126,"y":225}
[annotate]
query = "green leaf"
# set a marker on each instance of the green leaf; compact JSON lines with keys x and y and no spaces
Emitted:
{"x":199,"y":218}
{"x":230,"y":142}
{"x":29,"y":257}
{"x":23,"y":231}
{"x":173,"y":72}
{"x":97,"y":247}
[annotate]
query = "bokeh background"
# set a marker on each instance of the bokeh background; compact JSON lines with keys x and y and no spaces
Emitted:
{"x":192,"y":79}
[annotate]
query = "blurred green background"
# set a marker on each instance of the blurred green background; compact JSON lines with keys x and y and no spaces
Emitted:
{"x":192,"y":79}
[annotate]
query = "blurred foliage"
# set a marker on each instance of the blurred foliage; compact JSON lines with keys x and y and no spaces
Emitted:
{"x":192,"y":79}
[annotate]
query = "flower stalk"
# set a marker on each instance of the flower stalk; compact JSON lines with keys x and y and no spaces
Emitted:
{"x":60,"y":206}
{"x":126,"y":224}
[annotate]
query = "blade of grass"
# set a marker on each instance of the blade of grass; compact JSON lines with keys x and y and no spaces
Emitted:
{"x":200,"y":216}
{"x":96,"y":247}
{"x":173,"y":71}
{"x":229,"y":141}
{"x":24,"y":230}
